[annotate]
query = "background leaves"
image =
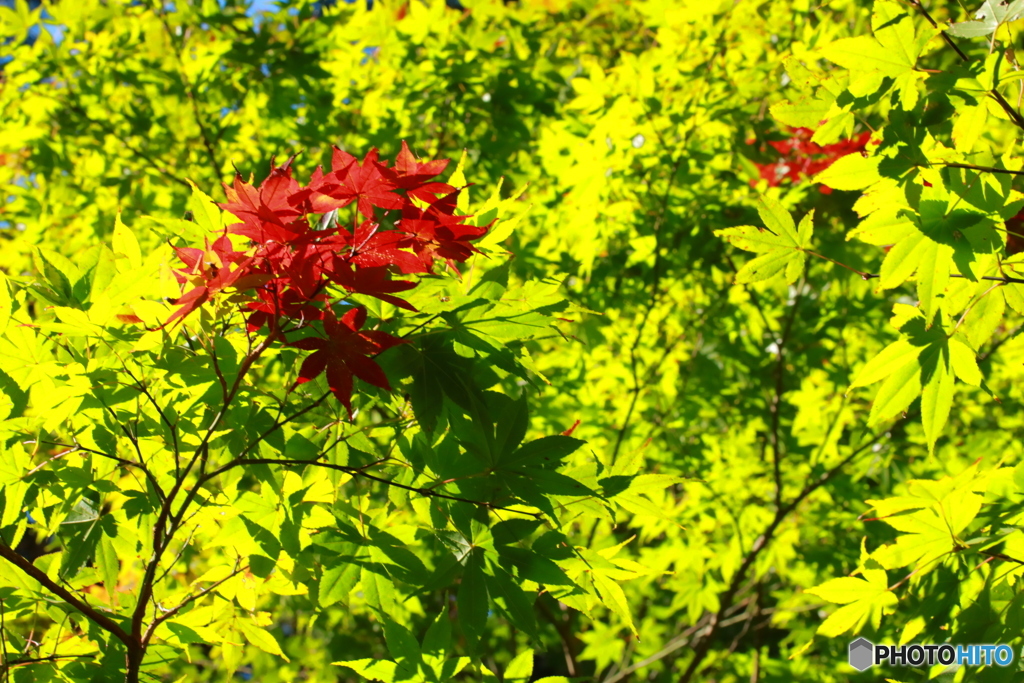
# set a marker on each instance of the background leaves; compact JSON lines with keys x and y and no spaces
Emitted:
{"x":732,"y":424}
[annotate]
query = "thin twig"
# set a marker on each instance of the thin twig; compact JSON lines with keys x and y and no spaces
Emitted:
{"x":1014,"y":115}
{"x":171,"y":428}
{"x":985,"y":169}
{"x":359,"y":472}
{"x":564,"y":635}
{"x":162,"y":536}
{"x":186,"y":602}
{"x":991,"y":278}
{"x":7,"y":666}
{"x":190,"y":93}
{"x":79,"y":447}
{"x":655,"y":292}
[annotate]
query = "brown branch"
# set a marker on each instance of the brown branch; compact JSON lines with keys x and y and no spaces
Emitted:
{"x":1000,"y":556}
{"x":359,"y":472}
{"x":186,"y":602}
{"x":762,"y":542}
{"x":103,"y":454}
{"x":945,"y":36}
{"x":171,"y":428}
{"x":101,"y":620}
{"x":776,"y":401}
{"x":680,"y":641}
{"x":204,"y":477}
{"x":1014,"y":115}
{"x":6,"y":666}
{"x":985,"y":169}
{"x":991,"y":278}
{"x":995,"y":347}
{"x":1005,"y":279}
{"x":190,"y":93}
{"x":162,"y":536}
{"x":564,"y":634}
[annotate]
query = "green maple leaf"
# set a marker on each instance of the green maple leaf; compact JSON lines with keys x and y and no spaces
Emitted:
{"x":783,"y":246}
{"x":862,"y":599}
{"x":988,"y":19}
{"x":931,"y":533}
{"x":924,"y":362}
{"x":891,"y":53}
{"x":414,"y":662}
{"x":942,"y":235}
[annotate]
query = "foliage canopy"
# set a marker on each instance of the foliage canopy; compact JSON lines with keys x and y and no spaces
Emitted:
{"x":705,"y":354}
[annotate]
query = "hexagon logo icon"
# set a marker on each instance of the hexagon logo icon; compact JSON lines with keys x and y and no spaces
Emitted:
{"x":862,"y":654}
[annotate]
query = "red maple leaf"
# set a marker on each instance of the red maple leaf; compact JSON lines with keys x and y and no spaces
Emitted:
{"x":434,"y":232}
{"x":290,"y":303}
{"x":375,"y":282}
{"x":270,"y":201}
{"x":415,"y":177}
{"x":371,"y":247}
{"x":316,"y":196}
{"x":362,"y":183}
{"x":802,"y":158}
{"x":345,"y":352}
{"x":216,"y":268}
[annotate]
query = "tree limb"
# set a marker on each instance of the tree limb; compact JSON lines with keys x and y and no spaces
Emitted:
{"x":101,"y":620}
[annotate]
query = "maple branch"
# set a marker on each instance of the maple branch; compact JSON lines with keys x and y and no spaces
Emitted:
{"x":162,"y":537}
{"x":190,"y":93}
{"x":985,"y":169}
{"x":188,"y":601}
{"x":133,"y":439}
{"x":360,"y":472}
{"x":678,"y":642}
{"x":205,"y":477}
{"x":1014,"y":115}
{"x":945,"y":36}
{"x":278,"y":423}
{"x":171,"y":428}
{"x":101,"y":620}
{"x":1000,"y":556}
{"x":202,"y":451}
{"x":760,"y":543}
{"x":564,"y":635}
{"x":181,"y":551}
{"x":1002,"y":340}
{"x":776,"y":401}
{"x":655,"y":287}
{"x":1005,"y":279}
{"x":8,"y":665}
{"x":79,"y":447}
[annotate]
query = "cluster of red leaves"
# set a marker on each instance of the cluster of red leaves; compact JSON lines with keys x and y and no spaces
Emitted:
{"x":299,"y":264}
{"x":801,"y":158}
